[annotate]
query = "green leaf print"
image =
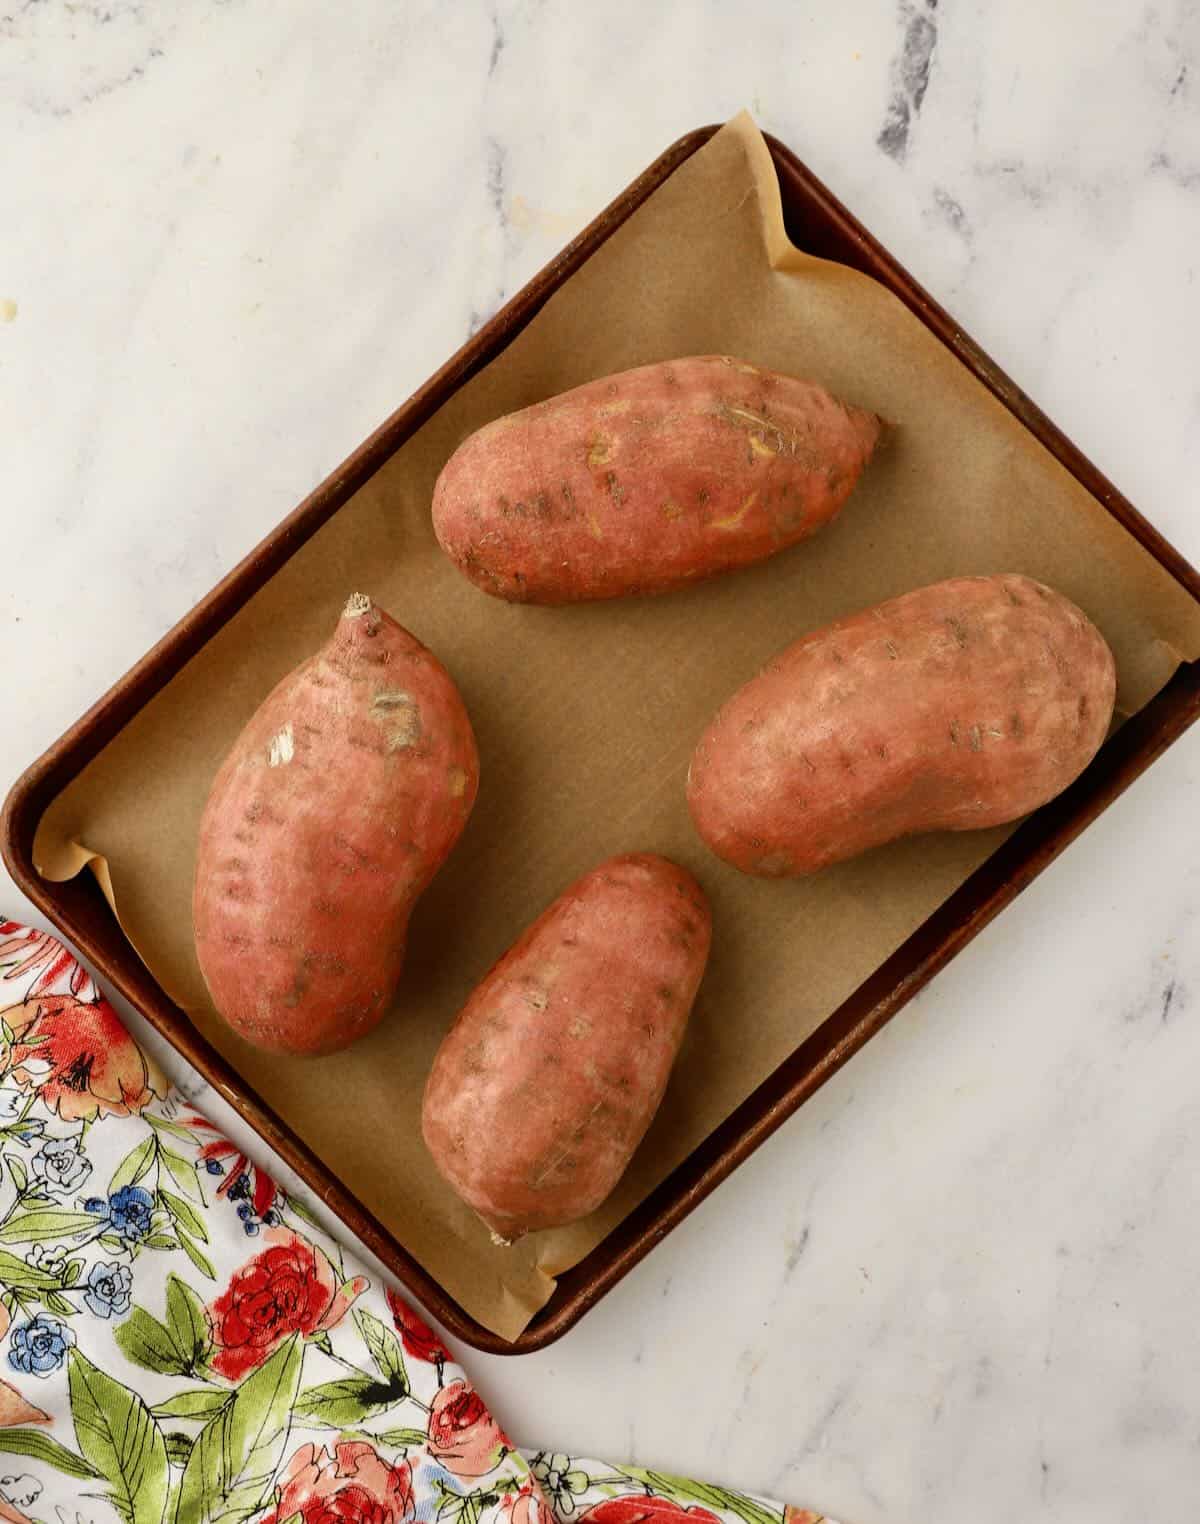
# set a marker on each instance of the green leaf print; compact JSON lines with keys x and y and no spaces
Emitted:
{"x":183,"y":1173}
{"x":342,"y":1404}
{"x":117,"y":1436}
{"x":385,"y":1350}
{"x":44,"y":1223}
{"x":135,"y":1166}
{"x":40,"y":1447}
{"x":15,"y":1272}
{"x":229,"y":1472}
{"x":147,"y":1343}
{"x":185,"y":1216}
{"x":179,"y":1448}
{"x":201,"y":1402}
{"x":186,"y":1322}
{"x":16,"y":1169}
{"x":172,"y":1515}
{"x":715,"y":1498}
{"x":176,"y":1348}
{"x":300,"y":1208}
{"x":201,"y":1261}
{"x":160,"y":1124}
{"x":465,"y":1508}
{"x":400,"y":1439}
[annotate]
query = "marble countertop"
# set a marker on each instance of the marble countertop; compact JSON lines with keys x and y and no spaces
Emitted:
{"x":959,"y":1284}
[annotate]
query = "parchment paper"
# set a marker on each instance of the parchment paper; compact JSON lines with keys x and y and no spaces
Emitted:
{"x":586,"y":716}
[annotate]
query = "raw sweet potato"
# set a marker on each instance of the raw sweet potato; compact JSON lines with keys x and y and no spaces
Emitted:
{"x":961,"y":705}
{"x":642,"y":481}
{"x":554,"y":1068}
{"x":336,"y":806}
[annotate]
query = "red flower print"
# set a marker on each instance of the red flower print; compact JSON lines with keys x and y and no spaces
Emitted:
{"x":354,"y":1485}
{"x":260,"y":1189}
{"x":80,"y":1059}
{"x":418,"y":1339}
{"x":524,"y":1506}
{"x":290,"y":1287}
{"x":25,"y":952}
{"x":257,"y":1195}
{"x":463,"y":1435}
{"x":645,"y":1510}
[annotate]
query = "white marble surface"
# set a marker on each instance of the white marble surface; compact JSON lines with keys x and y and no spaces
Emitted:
{"x":960,"y":1284}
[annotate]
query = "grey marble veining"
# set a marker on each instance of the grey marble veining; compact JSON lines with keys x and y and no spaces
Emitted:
{"x":960,"y":1283}
{"x":910,"y":75}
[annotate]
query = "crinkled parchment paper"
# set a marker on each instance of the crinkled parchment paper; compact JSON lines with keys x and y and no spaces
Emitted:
{"x":586,"y":716}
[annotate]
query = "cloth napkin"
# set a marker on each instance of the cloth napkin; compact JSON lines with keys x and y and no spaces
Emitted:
{"x":182,"y":1343}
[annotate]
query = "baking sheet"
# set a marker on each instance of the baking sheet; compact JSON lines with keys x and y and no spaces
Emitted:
{"x":586,"y":716}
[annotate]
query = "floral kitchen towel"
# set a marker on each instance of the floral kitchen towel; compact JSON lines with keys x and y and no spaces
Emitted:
{"x":590,"y":1492}
{"x":181,"y":1343}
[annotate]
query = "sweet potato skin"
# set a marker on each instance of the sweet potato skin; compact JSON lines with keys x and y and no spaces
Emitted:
{"x":553,"y":1070}
{"x":335,"y":807}
{"x":643,"y":481}
{"x":957,"y":706}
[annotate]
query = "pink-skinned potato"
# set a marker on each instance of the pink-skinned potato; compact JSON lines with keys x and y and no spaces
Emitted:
{"x":644,"y":481}
{"x":332,"y":812}
{"x":954,"y":707}
{"x":553,"y":1070}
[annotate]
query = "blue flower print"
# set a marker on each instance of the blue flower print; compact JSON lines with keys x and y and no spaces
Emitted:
{"x":59,"y":1167}
{"x":128,"y":1210}
{"x":107,"y":1290}
{"x":39,"y":1346}
{"x":252,"y":1225}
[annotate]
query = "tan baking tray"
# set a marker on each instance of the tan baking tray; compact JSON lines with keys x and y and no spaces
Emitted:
{"x":818,"y":224}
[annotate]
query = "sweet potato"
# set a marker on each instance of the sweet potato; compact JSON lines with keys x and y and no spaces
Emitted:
{"x":642,"y":481}
{"x":554,"y":1068}
{"x":961,"y":705}
{"x":336,"y":806}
